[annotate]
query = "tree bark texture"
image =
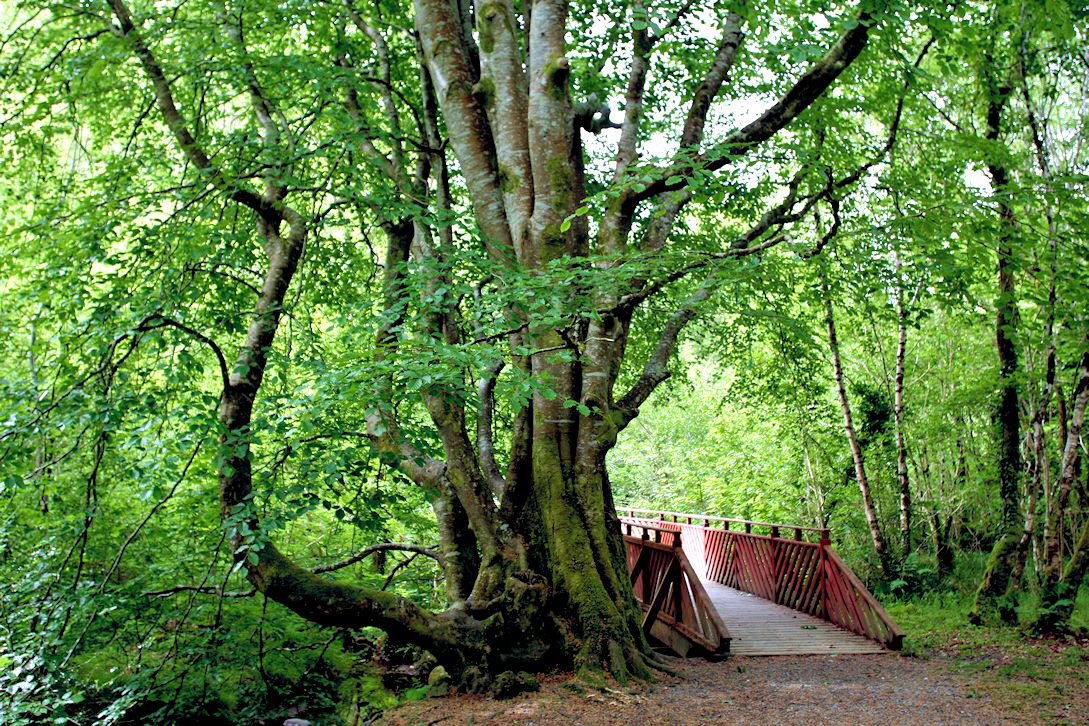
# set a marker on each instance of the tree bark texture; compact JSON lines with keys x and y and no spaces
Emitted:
{"x":902,"y":479}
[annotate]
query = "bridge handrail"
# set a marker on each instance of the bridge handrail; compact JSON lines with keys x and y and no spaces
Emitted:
{"x":694,"y":519}
{"x":806,"y":576}
{"x":627,"y":523}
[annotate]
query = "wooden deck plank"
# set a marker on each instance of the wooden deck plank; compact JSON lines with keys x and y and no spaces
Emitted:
{"x":760,"y":627}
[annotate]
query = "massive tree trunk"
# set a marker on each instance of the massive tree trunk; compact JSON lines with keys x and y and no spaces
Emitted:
{"x":534,"y":559}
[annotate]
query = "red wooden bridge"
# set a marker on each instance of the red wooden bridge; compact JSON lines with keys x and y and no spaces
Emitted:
{"x":712,"y":586}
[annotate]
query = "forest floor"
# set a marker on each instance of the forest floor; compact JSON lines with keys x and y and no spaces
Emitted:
{"x":960,"y":681}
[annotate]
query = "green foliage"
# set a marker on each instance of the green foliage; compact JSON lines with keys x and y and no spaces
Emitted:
{"x":691,"y":452}
{"x":121,"y":598}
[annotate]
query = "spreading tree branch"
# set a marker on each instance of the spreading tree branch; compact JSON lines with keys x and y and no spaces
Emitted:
{"x":449,"y":62}
{"x":174,"y":121}
{"x":807,"y":89}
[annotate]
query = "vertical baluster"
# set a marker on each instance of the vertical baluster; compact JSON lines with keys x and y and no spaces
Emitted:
{"x":646,"y":571}
{"x":824,"y":544}
{"x":776,"y":574}
{"x":678,"y":609}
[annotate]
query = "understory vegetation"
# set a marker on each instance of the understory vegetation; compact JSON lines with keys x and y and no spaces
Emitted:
{"x":335,"y":333}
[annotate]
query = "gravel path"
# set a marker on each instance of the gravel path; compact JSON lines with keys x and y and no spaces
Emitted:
{"x":842,"y":689}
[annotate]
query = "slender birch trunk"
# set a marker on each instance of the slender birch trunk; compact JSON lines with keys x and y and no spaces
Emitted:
{"x":868,"y":508}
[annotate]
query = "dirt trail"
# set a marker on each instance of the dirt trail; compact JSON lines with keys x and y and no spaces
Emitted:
{"x":845,"y":689}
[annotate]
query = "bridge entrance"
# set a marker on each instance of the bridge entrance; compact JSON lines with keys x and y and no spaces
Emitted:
{"x":712,"y":585}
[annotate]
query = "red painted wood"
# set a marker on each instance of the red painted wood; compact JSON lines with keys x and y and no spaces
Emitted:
{"x":668,"y":587}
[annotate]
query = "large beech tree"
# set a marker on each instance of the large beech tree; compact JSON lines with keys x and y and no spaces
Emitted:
{"x":524,"y":178}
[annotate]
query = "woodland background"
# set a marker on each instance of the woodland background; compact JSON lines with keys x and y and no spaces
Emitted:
{"x":122,"y":598}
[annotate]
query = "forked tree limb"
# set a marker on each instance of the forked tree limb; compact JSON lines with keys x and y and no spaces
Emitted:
{"x":671,"y":204}
{"x":164,"y":97}
{"x":807,"y":89}
{"x":449,"y":61}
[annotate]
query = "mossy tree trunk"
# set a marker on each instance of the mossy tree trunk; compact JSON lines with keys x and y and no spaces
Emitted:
{"x":533,"y":555}
{"x":997,"y":587}
{"x":1062,"y":577}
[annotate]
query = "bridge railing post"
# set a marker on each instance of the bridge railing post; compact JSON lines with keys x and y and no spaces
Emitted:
{"x":822,"y":571}
{"x":777,"y":573}
{"x":646,"y":573}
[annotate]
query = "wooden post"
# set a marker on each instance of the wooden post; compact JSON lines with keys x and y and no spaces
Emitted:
{"x":776,"y":570}
{"x":748,"y":527}
{"x":822,"y":553}
{"x":797,"y":534}
{"x":646,"y":572}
